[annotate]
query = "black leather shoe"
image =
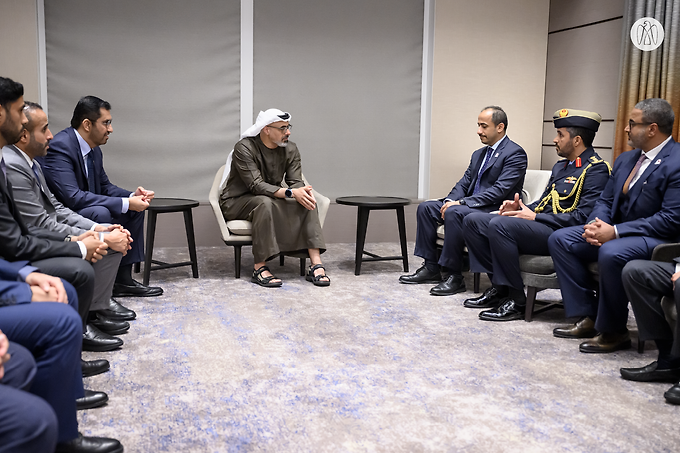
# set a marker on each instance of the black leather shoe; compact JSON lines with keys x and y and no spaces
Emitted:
{"x":583,"y":328}
{"x":452,"y":285}
{"x":651,"y":373}
{"x":508,"y":310}
{"x":116,"y":311}
{"x":606,"y":342}
{"x":672,"y":395}
{"x":107,"y":325}
{"x":98,"y":341}
{"x":91,"y":400}
{"x":422,"y":275}
{"x":489,"y":299}
{"x":136,"y":290}
{"x":90,"y":445}
{"x":94,"y":367}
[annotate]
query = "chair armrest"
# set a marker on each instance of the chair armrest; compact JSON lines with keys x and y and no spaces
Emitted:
{"x":666,"y":252}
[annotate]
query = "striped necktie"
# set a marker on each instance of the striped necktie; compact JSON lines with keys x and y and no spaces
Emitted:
{"x":487,"y":159}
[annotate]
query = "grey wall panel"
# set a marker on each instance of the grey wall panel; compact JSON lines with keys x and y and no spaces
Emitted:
{"x":572,"y":13}
{"x":350,"y":74}
{"x":171,"y":72}
{"x":583,"y":69}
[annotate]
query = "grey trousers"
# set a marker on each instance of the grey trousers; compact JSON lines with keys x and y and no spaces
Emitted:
{"x":105,"y":271}
{"x":279,"y":225}
{"x":646,"y":283}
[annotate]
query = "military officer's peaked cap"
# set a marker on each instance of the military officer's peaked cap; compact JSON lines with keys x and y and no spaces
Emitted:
{"x":577,"y":118}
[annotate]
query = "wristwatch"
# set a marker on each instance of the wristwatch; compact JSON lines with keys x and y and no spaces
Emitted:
{"x":289,"y":193}
{"x":462,"y":202}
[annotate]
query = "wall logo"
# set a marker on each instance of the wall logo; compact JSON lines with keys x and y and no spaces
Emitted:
{"x":647,"y":34}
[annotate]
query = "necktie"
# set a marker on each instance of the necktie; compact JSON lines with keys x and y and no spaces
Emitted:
{"x":37,"y":176}
{"x":633,"y":172}
{"x":487,"y":159}
{"x":89,"y":161}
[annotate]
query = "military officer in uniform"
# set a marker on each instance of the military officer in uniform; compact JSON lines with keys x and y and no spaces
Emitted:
{"x":495,"y":241}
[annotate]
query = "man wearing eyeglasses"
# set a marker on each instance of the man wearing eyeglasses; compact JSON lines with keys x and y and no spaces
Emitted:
{"x":74,"y":171}
{"x":285,"y":219}
{"x":638,"y":210}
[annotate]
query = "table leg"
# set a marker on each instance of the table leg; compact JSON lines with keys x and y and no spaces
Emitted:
{"x":148,"y":253}
{"x":401,"y":221}
{"x":191,"y":240}
{"x":362,"y":225}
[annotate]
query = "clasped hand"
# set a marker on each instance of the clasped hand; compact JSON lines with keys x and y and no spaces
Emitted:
{"x":598,"y":232}
{"x":305,"y":197}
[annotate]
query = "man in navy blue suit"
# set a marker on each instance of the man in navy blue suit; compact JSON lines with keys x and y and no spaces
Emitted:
{"x":34,"y":314}
{"x":74,"y":170}
{"x":496,"y":173}
{"x":495,"y":242}
{"x":638,"y":210}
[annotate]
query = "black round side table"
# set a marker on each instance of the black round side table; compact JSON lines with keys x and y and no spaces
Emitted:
{"x":162,"y":205}
{"x":365,"y":205}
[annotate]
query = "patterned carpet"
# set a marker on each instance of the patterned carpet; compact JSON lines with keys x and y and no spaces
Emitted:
{"x":219,"y":365}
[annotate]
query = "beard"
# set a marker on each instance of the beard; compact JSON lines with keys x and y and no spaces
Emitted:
{"x":282,"y":144}
{"x":10,"y":132}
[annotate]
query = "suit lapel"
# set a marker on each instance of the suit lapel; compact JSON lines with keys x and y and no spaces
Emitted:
{"x":79,"y":155}
{"x":651,"y":168}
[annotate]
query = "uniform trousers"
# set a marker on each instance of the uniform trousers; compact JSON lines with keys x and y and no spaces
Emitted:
{"x":132,"y":221}
{"x":279,"y":224}
{"x":495,"y":243}
{"x":27,"y":423}
{"x":53,"y":334}
{"x":646,"y":283}
{"x":571,"y":255}
{"x":429,"y":218}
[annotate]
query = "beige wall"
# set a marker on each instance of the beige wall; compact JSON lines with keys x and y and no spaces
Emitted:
{"x":485,"y":52}
{"x":19,"y":50}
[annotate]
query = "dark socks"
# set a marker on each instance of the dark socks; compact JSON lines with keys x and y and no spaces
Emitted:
{"x":124,"y":276}
{"x":666,"y":360}
{"x":517,"y":295}
{"x":431,"y":266}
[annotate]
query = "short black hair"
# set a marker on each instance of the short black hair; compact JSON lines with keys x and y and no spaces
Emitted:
{"x":659,"y":111}
{"x":28,"y":108}
{"x":88,"y":108}
{"x":10,"y":91}
{"x":498,"y":116}
{"x":587,"y":135}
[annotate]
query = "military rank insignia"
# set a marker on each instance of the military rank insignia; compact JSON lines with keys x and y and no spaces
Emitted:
{"x":577,"y":163}
{"x":571,"y":180}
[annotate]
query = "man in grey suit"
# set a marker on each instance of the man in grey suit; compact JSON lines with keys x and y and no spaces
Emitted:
{"x":39,"y":207}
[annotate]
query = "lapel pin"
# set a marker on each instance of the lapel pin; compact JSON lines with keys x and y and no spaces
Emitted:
{"x":496,"y":155}
{"x":658,"y":161}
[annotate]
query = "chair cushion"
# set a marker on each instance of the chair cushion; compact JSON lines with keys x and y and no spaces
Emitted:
{"x":536,"y":264}
{"x":242,"y":227}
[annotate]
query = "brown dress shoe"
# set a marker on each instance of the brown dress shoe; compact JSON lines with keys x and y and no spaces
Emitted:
{"x":606,"y":342}
{"x":583,"y":328}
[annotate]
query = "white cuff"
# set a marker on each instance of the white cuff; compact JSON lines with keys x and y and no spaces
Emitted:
{"x":83,"y":249}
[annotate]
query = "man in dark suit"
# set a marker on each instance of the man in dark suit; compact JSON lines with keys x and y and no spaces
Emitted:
{"x":638,"y":210}
{"x":496,"y":173}
{"x":55,"y":254}
{"x":495,"y":242}
{"x":52,"y":332}
{"x":74,"y":170}
{"x":646,"y":284}
{"x":40,"y":208}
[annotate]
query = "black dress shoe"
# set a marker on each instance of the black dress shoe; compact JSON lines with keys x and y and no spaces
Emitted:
{"x":94,"y":367}
{"x":508,"y":310}
{"x":422,"y":275}
{"x":606,"y":342}
{"x":491,"y":298}
{"x":91,"y":400}
{"x":107,"y":325}
{"x":98,"y":341}
{"x":672,"y":395}
{"x":90,"y":445}
{"x":136,"y":289}
{"x":583,"y":328}
{"x":651,"y":373}
{"x":452,"y":285}
{"x":117,"y":312}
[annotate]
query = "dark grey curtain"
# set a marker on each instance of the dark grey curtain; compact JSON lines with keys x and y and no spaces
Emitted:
{"x":170,"y":69}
